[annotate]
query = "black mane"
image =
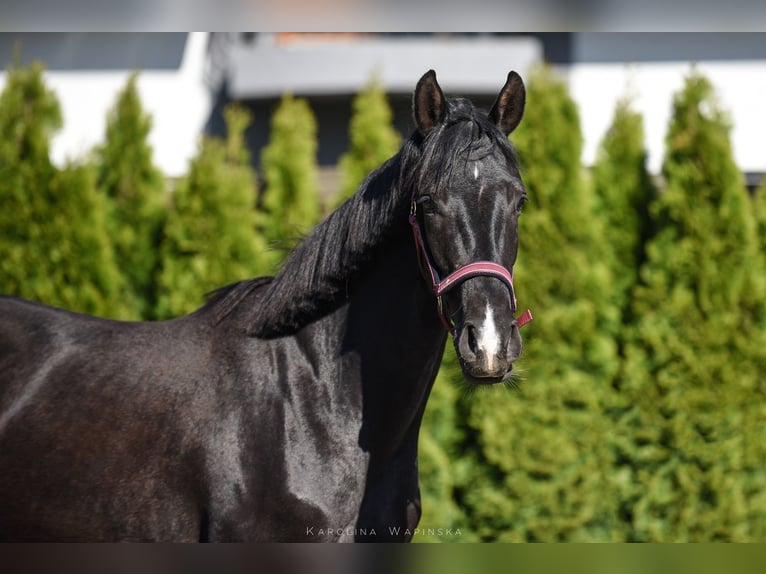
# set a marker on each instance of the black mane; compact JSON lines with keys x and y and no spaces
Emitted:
{"x":315,"y":276}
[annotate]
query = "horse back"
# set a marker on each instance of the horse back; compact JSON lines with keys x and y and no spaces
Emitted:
{"x":38,"y":343}
{"x":96,"y":434}
{"x":28,"y":335}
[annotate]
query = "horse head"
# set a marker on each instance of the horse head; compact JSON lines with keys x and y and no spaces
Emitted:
{"x":465,"y":205}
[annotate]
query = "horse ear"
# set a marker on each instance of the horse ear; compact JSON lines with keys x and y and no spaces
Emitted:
{"x":509,"y":106}
{"x":428,"y":103}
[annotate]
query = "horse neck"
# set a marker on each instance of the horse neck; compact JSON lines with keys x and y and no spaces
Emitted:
{"x":393,"y":331}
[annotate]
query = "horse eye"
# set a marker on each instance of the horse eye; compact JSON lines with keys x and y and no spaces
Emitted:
{"x":427,"y":203}
{"x":520,"y":205}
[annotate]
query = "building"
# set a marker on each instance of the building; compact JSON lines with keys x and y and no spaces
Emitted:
{"x":186,"y":79}
{"x":87,"y":70}
{"x":651,"y":67}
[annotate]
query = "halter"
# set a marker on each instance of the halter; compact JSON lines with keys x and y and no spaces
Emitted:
{"x":476,"y":269}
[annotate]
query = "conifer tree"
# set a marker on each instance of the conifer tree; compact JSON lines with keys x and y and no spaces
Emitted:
{"x":373,"y":138}
{"x":759,"y":210}
{"x":210,"y":236}
{"x":693,"y":430}
{"x":540,"y":464}
{"x":759,"y":273}
{"x":136,"y":189}
{"x":53,"y":238}
{"x":624,"y":188}
{"x":81,"y":259}
{"x":289,"y":163}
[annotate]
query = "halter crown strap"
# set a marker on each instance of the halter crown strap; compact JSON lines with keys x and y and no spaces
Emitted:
{"x":476,"y":269}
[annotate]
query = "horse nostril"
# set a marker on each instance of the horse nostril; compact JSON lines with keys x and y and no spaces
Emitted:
{"x":468,"y":344}
{"x":473,"y":344}
{"x":513,"y":348}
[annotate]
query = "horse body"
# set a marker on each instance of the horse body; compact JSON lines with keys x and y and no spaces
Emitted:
{"x":147,"y":421}
{"x":89,"y":424}
{"x":286,"y":408}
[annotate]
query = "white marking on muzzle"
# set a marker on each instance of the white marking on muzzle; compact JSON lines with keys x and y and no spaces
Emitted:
{"x":489,"y":340}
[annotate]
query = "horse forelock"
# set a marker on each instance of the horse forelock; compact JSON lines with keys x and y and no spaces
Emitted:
{"x":467,"y":135}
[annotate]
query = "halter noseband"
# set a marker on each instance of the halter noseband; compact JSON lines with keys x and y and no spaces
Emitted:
{"x":476,"y":269}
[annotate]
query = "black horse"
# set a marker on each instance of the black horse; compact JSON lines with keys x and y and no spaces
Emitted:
{"x":285,"y":408}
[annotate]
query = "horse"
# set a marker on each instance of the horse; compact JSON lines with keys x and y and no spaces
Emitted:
{"x":285,"y":408}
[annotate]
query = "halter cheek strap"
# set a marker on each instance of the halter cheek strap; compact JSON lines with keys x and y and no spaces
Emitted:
{"x":476,"y":269}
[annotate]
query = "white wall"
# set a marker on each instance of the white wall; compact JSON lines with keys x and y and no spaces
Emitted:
{"x":178,"y":101}
{"x":740,"y":86}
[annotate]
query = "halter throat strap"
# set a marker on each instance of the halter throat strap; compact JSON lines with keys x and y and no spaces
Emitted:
{"x":476,"y":269}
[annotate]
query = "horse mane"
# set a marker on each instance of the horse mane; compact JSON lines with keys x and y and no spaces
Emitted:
{"x":316,"y":275}
{"x":223,"y":300}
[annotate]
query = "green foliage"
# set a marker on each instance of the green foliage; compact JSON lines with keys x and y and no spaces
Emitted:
{"x":373,"y":138}
{"x":210,"y":237}
{"x":53,"y":238}
{"x":563,"y":264}
{"x":693,"y":431}
{"x":290,"y":199}
{"x":624,"y":188}
{"x":135,"y":188}
{"x":759,"y":210}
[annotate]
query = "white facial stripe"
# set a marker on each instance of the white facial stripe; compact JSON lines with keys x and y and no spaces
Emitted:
{"x":476,"y":171}
{"x":489,"y":340}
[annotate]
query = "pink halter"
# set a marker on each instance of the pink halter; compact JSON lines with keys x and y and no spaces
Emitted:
{"x":484,"y":268}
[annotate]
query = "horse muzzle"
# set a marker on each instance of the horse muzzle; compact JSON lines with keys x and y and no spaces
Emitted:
{"x":487,"y":351}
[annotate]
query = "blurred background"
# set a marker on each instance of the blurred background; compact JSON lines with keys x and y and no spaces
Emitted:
{"x":187,"y":78}
{"x":140,"y":170}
